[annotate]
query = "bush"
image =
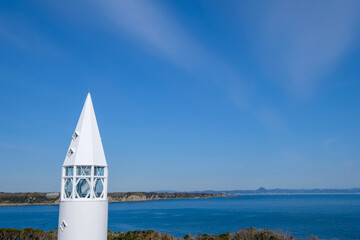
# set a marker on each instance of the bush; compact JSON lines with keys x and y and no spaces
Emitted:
{"x":244,"y":234}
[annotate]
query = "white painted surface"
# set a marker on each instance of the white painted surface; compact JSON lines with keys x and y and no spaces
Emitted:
{"x":85,"y":220}
{"x":84,"y":217}
{"x":87,"y":147}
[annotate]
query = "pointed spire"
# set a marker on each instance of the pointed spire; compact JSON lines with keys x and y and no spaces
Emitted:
{"x":86,"y":147}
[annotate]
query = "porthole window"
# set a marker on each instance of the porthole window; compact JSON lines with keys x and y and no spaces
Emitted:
{"x":83,"y":188}
{"x":68,"y":188}
{"x":98,"y":188}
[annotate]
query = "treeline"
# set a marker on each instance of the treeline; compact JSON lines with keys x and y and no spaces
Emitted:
{"x":244,"y":234}
{"x":28,"y":198}
{"x":16,"y":199}
{"x":150,"y":196}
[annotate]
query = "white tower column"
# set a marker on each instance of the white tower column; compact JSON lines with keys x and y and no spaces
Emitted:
{"x":83,"y":212}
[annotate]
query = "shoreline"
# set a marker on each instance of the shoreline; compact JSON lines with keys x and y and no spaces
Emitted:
{"x":133,"y":199}
{"x":48,"y":199}
{"x":57,"y":204}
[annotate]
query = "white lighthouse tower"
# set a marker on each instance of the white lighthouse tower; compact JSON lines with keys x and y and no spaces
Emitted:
{"x":83,"y":212}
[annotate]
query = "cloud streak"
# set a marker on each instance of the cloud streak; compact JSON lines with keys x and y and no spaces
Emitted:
{"x":328,"y":142}
{"x":16,"y":32}
{"x":154,"y":28}
{"x":300,"y":42}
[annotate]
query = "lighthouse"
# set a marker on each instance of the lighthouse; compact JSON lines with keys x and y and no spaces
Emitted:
{"x":83,"y":211}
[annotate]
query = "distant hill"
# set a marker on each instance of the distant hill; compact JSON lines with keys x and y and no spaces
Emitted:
{"x":21,"y":199}
{"x":263,"y":190}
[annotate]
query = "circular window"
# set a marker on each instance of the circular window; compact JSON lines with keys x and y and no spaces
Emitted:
{"x":68,"y":188}
{"x":83,"y":187}
{"x":98,"y":188}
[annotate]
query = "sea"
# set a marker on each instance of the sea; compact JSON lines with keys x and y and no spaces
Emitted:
{"x":332,"y":216}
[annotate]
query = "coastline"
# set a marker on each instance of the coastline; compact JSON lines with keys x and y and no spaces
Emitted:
{"x":293,"y":214}
{"x":57,"y":204}
{"x":48,"y":199}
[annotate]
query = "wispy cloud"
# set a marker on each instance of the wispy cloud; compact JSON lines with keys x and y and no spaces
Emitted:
{"x":22,"y":147}
{"x":301,"y":42}
{"x":328,"y":141}
{"x":271,"y":119}
{"x":292,"y":156}
{"x":153,"y":27}
{"x":350,"y":163}
{"x":16,"y":32}
{"x":11,"y":37}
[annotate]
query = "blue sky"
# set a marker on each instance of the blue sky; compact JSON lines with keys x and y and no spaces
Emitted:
{"x":189,"y":95}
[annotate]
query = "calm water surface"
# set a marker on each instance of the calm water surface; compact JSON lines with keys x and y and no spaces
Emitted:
{"x":327,"y":216}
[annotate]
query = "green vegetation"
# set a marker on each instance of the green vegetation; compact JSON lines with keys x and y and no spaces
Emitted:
{"x":151,"y":196}
{"x":20,"y":199}
{"x":244,"y":234}
{"x":140,"y":235}
{"x":27,"y":234}
{"x":27,"y":198}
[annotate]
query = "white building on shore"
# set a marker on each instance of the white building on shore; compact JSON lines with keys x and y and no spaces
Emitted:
{"x":83,"y":212}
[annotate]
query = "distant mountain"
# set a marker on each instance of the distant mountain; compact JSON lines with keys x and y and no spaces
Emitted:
{"x":263,"y":190}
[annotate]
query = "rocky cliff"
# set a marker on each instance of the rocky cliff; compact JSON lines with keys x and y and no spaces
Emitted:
{"x":142,"y":196}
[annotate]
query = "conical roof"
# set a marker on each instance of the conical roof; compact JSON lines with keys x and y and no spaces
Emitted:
{"x":86,"y":147}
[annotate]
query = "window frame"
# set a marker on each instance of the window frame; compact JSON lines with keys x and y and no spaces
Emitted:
{"x":79,"y":173}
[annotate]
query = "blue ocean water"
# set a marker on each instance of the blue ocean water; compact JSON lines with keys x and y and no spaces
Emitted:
{"x":326,"y":216}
